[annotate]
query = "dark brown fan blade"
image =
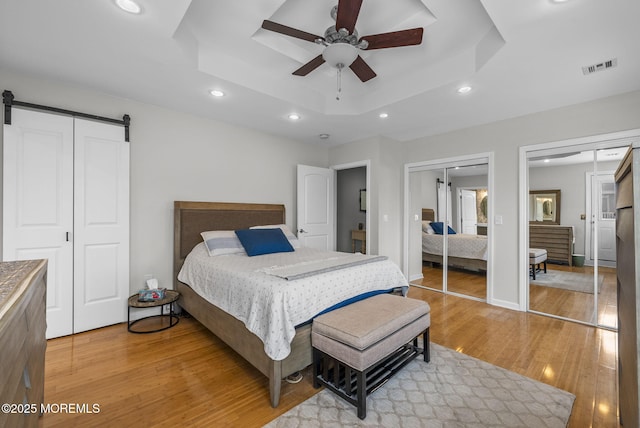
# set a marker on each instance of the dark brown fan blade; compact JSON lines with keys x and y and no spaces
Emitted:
{"x":348,"y":11}
{"x":310,"y":66}
{"x":394,"y":39}
{"x":362,"y":69}
{"x":288,"y":31}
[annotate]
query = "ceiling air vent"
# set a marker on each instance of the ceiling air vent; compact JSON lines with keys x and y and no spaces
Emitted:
{"x":600,"y":66}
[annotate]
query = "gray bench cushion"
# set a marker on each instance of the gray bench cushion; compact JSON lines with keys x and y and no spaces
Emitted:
{"x":367,"y":331}
{"x":362,"y":360}
{"x":537,"y":255}
{"x":368,"y":321}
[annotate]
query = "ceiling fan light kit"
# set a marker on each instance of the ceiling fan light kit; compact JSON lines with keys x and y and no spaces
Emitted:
{"x":340,"y":55}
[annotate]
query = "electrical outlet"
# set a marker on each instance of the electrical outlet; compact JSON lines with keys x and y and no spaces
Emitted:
{"x":167,"y":308}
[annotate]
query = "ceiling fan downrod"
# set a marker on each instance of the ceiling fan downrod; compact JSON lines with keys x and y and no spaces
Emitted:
{"x":339,"y":82}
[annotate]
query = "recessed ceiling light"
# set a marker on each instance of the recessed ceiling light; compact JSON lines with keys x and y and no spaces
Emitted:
{"x":323,"y":136}
{"x":464,"y":89}
{"x":216,"y":93}
{"x":383,"y":115}
{"x":294,"y":116}
{"x":129,"y":6}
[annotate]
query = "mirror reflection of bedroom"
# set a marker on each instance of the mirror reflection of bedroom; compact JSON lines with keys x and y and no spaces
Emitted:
{"x":449,"y":207}
{"x":572,"y":240}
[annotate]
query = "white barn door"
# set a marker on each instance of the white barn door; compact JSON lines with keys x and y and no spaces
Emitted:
{"x":37,"y":205}
{"x":316,"y":207}
{"x":101,"y":225}
{"x":66,"y":199}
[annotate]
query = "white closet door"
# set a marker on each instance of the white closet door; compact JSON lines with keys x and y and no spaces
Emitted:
{"x":38,"y":204}
{"x":101,"y":225}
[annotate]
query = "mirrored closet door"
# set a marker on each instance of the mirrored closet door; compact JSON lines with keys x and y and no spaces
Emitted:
{"x":572,"y":227}
{"x":425,"y":254}
{"x":467,"y":236}
{"x":448,"y":227}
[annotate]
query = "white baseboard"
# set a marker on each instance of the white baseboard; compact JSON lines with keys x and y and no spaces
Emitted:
{"x":506,"y":304}
{"x":416,"y":277}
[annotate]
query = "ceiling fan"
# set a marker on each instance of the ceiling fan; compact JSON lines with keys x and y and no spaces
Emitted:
{"x":342,"y":43}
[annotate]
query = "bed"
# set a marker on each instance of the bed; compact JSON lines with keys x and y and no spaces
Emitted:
{"x":278,"y":359}
{"x":464,"y":251}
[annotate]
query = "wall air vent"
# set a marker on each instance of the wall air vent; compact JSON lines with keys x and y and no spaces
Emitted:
{"x":589,"y":69}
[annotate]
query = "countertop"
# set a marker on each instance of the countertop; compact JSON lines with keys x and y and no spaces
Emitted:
{"x":12,"y":275}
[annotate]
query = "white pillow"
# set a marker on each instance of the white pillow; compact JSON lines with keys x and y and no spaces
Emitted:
{"x":426,"y":228}
{"x":220,"y":242}
{"x":293,"y":240}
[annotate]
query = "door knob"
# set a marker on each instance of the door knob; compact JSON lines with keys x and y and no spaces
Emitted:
{"x":302,"y":231}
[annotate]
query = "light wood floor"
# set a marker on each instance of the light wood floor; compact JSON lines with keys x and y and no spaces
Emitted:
{"x":549,"y":300}
{"x":576,"y":305}
{"x":460,"y":281}
{"x":185,"y":376}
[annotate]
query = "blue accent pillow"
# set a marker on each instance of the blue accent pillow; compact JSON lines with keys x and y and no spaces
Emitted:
{"x":264,"y":241}
{"x":438,"y":228}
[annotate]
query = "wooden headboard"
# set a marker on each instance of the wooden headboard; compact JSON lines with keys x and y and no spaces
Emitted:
{"x":192,"y":218}
{"x":428,"y":214}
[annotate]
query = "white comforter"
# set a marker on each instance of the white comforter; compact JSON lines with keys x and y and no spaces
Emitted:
{"x":271,"y":307}
{"x":460,"y":245}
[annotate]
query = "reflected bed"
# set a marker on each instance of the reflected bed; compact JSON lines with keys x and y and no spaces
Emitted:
{"x":464,"y":251}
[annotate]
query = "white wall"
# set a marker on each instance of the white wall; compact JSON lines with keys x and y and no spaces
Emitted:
{"x":176,"y":156}
{"x":385,"y":193}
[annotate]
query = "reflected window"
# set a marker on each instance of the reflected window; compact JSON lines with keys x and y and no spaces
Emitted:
{"x":607,"y":201}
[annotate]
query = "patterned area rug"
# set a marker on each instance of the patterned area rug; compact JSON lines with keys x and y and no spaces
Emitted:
{"x":453,"y":390}
{"x":572,"y":281}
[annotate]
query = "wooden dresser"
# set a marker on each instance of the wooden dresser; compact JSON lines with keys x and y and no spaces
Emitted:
{"x":557,"y":240}
{"x":22,"y":340}
{"x":628,"y":287}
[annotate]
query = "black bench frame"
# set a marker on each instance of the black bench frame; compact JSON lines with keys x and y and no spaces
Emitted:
{"x":535,"y":267}
{"x":354,"y":385}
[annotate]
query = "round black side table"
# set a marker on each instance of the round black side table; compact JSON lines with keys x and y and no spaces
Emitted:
{"x":170,"y":297}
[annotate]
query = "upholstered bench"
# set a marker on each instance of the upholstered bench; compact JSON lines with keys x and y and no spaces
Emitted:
{"x":360,"y":346}
{"x":537,"y":256}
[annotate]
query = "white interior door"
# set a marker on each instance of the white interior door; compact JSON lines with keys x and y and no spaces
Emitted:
{"x":468,"y":212}
{"x":601,"y":207}
{"x":38,"y":205}
{"x":606,"y":211}
{"x":101,"y":224}
{"x":316,"y":207}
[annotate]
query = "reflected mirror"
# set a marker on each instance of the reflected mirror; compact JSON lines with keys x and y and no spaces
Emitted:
{"x":544,"y":206}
